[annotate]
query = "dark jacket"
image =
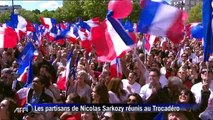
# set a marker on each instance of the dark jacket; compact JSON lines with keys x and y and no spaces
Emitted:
{"x":202,"y":106}
{"x":44,"y":98}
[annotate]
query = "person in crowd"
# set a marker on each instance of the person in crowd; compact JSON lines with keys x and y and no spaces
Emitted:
{"x":35,"y":116}
{"x":112,"y":116}
{"x":154,"y":84}
{"x":181,"y":115}
{"x":89,"y":116}
{"x":193,"y":75}
{"x":116,"y":92}
{"x":100,"y":94}
{"x":104,"y":77}
{"x":6,"y":83}
{"x":51,"y":88}
{"x":130,"y":84}
{"x":7,"y":108}
{"x":168,"y":94}
{"x":134,"y":98}
{"x":163,"y":80}
{"x":37,"y":93}
{"x":72,"y":98}
{"x":81,"y":87}
{"x":205,"y":85}
{"x":182,"y":74}
{"x":187,"y":97}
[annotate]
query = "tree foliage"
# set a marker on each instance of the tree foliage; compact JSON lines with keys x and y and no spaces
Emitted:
{"x":72,"y":9}
{"x":195,"y":14}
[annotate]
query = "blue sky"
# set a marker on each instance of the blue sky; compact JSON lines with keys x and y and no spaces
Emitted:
{"x":32,"y":5}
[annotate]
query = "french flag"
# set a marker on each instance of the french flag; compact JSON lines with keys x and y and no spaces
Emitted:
{"x":52,"y":33}
{"x":129,"y":28}
{"x":21,"y":96}
{"x":93,"y":22}
{"x":162,"y":20}
{"x":84,"y":35}
{"x":25,"y":56}
{"x":8,"y":37}
{"x":20,"y":23}
{"x":63,"y":79}
{"x":115,"y":68}
{"x":23,"y":77}
{"x":110,"y":40}
{"x":70,"y":33}
{"x":149,"y":41}
{"x":48,"y":22}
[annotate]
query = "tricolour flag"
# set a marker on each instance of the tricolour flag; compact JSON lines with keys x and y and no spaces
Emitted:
{"x":8,"y":37}
{"x":115,"y":68}
{"x":149,"y":41}
{"x":25,"y":56}
{"x":21,"y":96}
{"x":63,"y":79}
{"x":20,"y":23}
{"x":162,"y":20}
{"x":48,"y":22}
{"x":110,"y":39}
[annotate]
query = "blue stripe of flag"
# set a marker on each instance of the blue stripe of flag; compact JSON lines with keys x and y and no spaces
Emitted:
{"x":119,"y":29}
{"x":147,"y":15}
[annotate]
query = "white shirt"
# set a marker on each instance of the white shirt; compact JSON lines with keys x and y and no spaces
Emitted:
{"x":196,"y":90}
{"x":146,"y":91}
{"x":113,"y":97}
{"x":135,"y":88}
{"x":163,"y":80}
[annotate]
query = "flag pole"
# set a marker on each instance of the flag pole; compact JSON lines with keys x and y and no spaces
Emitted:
{"x":12,"y":6}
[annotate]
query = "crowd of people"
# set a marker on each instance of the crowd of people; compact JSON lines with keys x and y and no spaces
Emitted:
{"x":169,"y":74}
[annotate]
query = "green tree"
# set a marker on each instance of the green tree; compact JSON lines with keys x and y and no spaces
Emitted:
{"x":95,"y":8}
{"x":71,"y":10}
{"x":134,"y":16}
{"x":195,"y":14}
{"x":5,"y":16}
{"x":36,"y":11}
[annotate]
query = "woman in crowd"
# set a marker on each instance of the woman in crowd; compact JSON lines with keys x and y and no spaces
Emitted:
{"x":116,"y":92}
{"x":100,"y":94}
{"x":182,"y":74}
{"x":89,"y":116}
{"x":72,"y":98}
{"x":7,"y":108}
{"x":81,"y":87}
{"x":134,"y":98}
{"x":186,"y":96}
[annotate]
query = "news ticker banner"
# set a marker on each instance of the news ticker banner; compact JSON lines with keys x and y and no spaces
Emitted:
{"x":103,"y":107}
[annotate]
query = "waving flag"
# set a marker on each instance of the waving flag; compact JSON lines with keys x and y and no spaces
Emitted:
{"x":84,"y":32}
{"x":63,"y":79}
{"x":23,"y":77}
{"x":20,"y":23}
{"x":110,"y":39}
{"x":21,"y":96}
{"x":208,"y":28}
{"x":149,"y":41}
{"x":48,"y":22}
{"x":52,"y":33}
{"x":93,"y":22}
{"x":25,"y":56}
{"x":29,"y":74}
{"x":71,"y":33}
{"x":162,"y":20}
{"x":8,"y":37}
{"x":129,"y":28}
{"x":115,"y":68}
